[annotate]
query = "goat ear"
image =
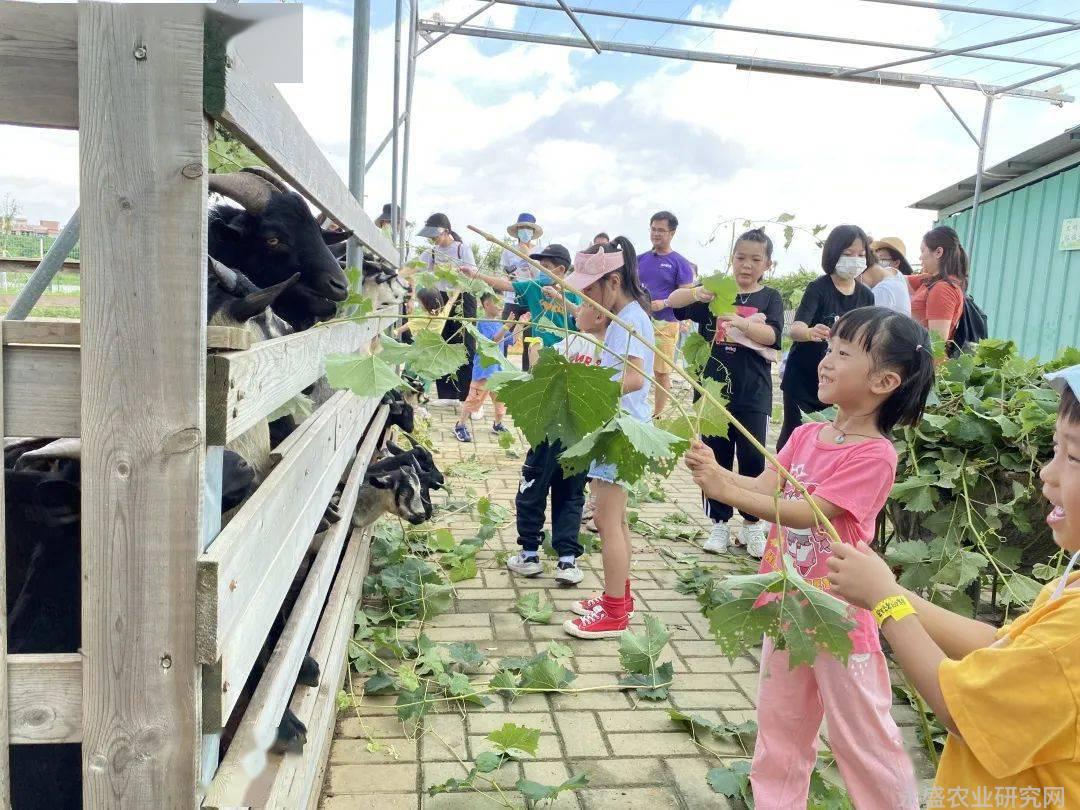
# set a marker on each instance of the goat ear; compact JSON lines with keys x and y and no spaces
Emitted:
{"x":252,"y":304}
{"x":335,"y":237}
{"x":381,"y":481}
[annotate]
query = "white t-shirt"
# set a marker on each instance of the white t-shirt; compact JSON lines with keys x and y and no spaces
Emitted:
{"x":518,"y":269}
{"x":454,"y":251}
{"x":618,"y":343}
{"x":578,"y":349}
{"x":893,"y":293}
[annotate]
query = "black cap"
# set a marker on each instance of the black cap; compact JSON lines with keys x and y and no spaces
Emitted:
{"x":557,"y":253}
{"x":385,"y":215}
{"x":433,"y":224}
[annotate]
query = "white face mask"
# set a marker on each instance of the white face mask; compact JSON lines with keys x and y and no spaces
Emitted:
{"x":850,"y":266}
{"x":524,"y":234}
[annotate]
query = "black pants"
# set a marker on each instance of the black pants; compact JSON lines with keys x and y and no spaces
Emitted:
{"x":516,"y":311}
{"x":539,"y":474}
{"x":456,"y":384}
{"x":792,"y":419}
{"x":751,"y":462}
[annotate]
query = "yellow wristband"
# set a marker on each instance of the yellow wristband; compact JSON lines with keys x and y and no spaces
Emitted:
{"x":893,"y":607}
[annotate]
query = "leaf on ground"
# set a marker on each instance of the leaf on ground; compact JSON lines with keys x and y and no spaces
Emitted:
{"x":824,"y":795}
{"x":532,"y":609}
{"x":411,"y":708}
{"x":516,"y":741}
{"x":431,"y":357}
{"x":454,"y":783}
{"x":699,"y":727}
{"x":365,"y":376}
{"x":633,"y":447}
{"x":561,"y":401}
{"x":534,"y":791}
{"x":732,"y":781}
{"x":724,"y":288}
{"x":488,"y":762}
{"x":505,"y":682}
{"x":639,"y":652}
{"x":379,"y":684}
{"x":651,"y":685}
{"x":546,"y":675}
{"x":466,"y":654}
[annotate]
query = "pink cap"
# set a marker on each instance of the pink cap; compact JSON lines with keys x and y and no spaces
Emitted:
{"x":591,"y":267}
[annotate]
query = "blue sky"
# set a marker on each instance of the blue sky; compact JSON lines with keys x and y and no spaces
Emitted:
{"x":598,"y":142}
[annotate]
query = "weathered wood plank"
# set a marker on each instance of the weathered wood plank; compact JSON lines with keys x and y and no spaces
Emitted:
{"x":42,"y":390}
{"x":299,"y":779}
{"x":259,"y":115}
{"x":66,"y":332}
{"x":44,"y":698}
{"x":244,"y":387}
{"x":39,"y":81}
{"x":143,"y":203}
{"x":228,"y":338}
{"x":247,"y":571}
{"x":5,"y":714}
{"x":233,"y":783}
{"x":14,"y":264}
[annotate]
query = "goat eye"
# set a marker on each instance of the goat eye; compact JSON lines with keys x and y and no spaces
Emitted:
{"x":272,"y":241}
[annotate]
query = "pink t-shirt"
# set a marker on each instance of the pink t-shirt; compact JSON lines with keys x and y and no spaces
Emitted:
{"x":857,"y":478}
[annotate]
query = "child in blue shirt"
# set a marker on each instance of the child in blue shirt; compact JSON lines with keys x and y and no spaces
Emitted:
{"x":492,"y":329}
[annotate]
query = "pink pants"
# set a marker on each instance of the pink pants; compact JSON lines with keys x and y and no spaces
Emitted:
{"x":855,"y":700}
{"x":477,"y":394}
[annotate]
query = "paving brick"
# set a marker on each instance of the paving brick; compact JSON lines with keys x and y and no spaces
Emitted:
{"x":580,"y":734}
{"x":396,"y":778}
{"x":637,"y":798}
{"x":379,"y":728}
{"x":658,"y":744}
{"x":590,"y":700}
{"x":459,"y":633}
{"x":690,"y":781}
{"x":597,"y":663}
{"x":721,"y":664}
{"x":509,"y":626}
{"x":548,"y":748}
{"x":383,"y":801}
{"x":645,"y":719}
{"x":460,"y":620}
{"x":451,"y":728}
{"x":686,"y":699}
{"x":345,"y":752}
{"x":486,"y":722}
{"x":434,"y":773}
{"x":619,"y":771}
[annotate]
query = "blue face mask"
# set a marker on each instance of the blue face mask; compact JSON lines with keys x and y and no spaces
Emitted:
{"x":524,"y":234}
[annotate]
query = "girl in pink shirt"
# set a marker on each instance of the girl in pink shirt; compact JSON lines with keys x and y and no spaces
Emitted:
{"x":878,"y":372}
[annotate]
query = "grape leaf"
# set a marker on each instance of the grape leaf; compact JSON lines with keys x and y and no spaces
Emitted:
{"x":696,"y":351}
{"x":633,"y":447}
{"x":365,"y":376}
{"x":1044,"y":571}
{"x":530,"y":608}
{"x":488,"y":761}
{"x":906,"y":552}
{"x":394,"y":352}
{"x":743,"y":733}
{"x":380,"y":684}
{"x":466,"y":654}
{"x":411,"y":707}
{"x":500,"y":378}
{"x":488,"y":350}
{"x":732,"y":781}
{"x":534,"y":791}
{"x":505,"y":682}
{"x":651,"y":685}
{"x":639,"y":652}
{"x":824,"y":795}
{"x":453,"y":783}
{"x":961,"y":570}
{"x":546,"y":674}
{"x":431,"y":357}
{"x":299,"y":407}
{"x":724,"y":288}
{"x":561,"y":401}
{"x":1018,"y":590}
{"x":515,"y":741}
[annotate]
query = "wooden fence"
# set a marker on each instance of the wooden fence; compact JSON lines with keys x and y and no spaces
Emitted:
{"x":174,"y":609}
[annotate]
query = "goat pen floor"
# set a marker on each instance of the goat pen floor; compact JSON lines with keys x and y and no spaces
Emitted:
{"x":633,"y":754}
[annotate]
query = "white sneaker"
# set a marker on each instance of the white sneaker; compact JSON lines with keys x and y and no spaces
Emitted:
{"x":755,"y":536}
{"x":719,"y":539}
{"x":530,"y":567}
{"x":568,"y":574}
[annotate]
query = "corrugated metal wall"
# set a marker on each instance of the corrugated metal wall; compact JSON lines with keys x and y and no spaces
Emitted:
{"x":1029,"y":288}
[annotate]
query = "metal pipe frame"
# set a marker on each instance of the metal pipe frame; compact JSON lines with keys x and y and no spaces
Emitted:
{"x":573,"y":18}
{"x":990,"y":12}
{"x":395,"y":202}
{"x":965,"y":50}
{"x":358,"y":114}
{"x":1034,"y":79}
{"x":957,"y":115}
{"x":971,"y":233}
{"x":889,"y":78}
{"x":465,"y":21}
{"x":743,"y":29}
{"x":46,"y":271}
{"x":382,"y":145}
{"x":410,"y":79}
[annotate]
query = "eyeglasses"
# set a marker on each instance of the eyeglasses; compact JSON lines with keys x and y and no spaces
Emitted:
{"x":659,"y":230}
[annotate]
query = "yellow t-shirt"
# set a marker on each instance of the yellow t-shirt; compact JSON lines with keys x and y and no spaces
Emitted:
{"x":1017,"y":707}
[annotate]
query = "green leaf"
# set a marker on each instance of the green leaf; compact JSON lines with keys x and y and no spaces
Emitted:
{"x":633,"y":447}
{"x":535,"y":792}
{"x":1018,"y":590}
{"x":732,"y":781}
{"x":431,"y":357}
{"x":299,"y":408}
{"x":698,"y":727}
{"x":488,"y":762}
{"x":380,"y":684}
{"x":530,"y":608}
{"x":906,"y":552}
{"x":489,"y":351}
{"x":505,"y":682}
{"x":651,"y":685}
{"x":546,"y":675}
{"x":466,"y":654}
{"x":1045,"y":572}
{"x":639,"y":652}
{"x":500,"y":378}
{"x":785,"y":218}
{"x":441,"y":540}
{"x":824,"y":795}
{"x":724,"y":288}
{"x":561,"y":401}
{"x":454,"y":783}
{"x":961,"y":570}
{"x":696,"y":352}
{"x":506,"y":440}
{"x":365,"y":376}
{"x":515,"y":741}
{"x":411,"y":707}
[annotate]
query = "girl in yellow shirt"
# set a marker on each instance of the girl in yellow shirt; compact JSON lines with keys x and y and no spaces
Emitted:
{"x":1009,"y":697}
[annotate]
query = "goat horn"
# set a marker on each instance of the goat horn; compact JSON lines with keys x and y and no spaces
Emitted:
{"x":250,"y":190}
{"x":268,"y":176}
{"x":225,"y":275}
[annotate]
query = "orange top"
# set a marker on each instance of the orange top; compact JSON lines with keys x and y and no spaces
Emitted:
{"x":943,"y":301}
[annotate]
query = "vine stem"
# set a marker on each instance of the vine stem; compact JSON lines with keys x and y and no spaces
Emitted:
{"x":505,"y":801}
{"x":771,"y":458}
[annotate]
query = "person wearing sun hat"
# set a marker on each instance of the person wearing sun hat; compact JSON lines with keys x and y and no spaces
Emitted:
{"x":892,"y":251}
{"x":527,"y":233}
{"x":882,"y":275}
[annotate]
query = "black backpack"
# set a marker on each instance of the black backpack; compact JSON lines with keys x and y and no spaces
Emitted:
{"x":971,"y":328}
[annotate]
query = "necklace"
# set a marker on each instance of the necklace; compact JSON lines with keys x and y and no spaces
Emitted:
{"x":742,"y":298}
{"x":841,"y":435}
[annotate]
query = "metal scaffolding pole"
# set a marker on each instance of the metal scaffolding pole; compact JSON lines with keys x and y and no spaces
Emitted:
{"x":465,"y":21}
{"x":888,"y":78}
{"x":45,"y":271}
{"x":394,"y":201}
{"x":990,"y":12}
{"x":382,"y":144}
{"x":1040,"y":78}
{"x":358,"y":114}
{"x":965,"y":50}
{"x":410,"y":78}
{"x":573,"y":18}
{"x":957,"y":115}
{"x":971,"y":234}
{"x":768,"y":32}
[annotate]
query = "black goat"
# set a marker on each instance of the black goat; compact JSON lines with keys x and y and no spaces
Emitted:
{"x":397,"y":492}
{"x":401,"y":412}
{"x":274,"y":236}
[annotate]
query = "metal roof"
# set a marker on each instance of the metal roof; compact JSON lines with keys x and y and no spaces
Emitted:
{"x":1012,"y":171}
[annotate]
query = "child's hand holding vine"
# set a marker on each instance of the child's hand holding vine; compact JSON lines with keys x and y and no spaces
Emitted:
{"x":860,"y":576}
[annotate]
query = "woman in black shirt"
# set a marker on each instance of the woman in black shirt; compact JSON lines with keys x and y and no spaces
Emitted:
{"x":744,"y":346}
{"x":825,"y":300}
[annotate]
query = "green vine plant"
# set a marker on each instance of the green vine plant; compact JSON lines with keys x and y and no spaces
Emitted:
{"x":733,"y":226}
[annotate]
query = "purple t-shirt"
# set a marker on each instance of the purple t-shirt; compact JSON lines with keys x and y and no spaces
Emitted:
{"x":662,"y":275}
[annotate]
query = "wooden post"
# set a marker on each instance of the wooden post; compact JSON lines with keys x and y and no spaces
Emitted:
{"x":5,"y":715}
{"x":143,"y":198}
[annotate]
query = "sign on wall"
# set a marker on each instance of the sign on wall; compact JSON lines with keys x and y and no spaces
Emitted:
{"x":1070,"y":234}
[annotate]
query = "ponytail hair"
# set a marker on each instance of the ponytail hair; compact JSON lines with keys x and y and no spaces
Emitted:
{"x":897,"y":343}
{"x":628,"y":273}
{"x":953,"y":265}
{"x":759,"y":236}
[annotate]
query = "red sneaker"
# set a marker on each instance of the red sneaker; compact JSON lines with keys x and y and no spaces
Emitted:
{"x":597,"y":624}
{"x":583,"y":607}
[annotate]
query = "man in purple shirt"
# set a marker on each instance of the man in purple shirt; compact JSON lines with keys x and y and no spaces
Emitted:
{"x":663,"y":271}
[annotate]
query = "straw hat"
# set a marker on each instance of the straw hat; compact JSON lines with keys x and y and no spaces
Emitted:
{"x":892,"y":243}
{"x":525,"y":220}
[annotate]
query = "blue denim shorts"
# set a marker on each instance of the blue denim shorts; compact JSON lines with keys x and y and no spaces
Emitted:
{"x":606,"y":473}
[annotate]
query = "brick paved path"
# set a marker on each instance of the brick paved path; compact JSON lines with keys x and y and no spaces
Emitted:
{"x":634,"y":756}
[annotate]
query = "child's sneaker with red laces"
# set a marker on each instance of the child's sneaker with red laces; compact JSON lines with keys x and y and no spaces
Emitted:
{"x":598,"y":624}
{"x":583,"y":607}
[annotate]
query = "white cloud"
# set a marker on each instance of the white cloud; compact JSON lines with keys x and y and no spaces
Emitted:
{"x":535,"y":128}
